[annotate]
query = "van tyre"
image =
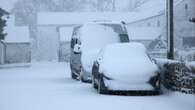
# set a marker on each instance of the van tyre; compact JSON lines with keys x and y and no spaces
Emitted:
{"x":73,"y":76}
{"x":82,"y":77}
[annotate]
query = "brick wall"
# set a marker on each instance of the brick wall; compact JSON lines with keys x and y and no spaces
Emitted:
{"x":177,"y":76}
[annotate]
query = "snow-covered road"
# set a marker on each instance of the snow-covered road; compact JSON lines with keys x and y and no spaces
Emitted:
{"x":47,"y":86}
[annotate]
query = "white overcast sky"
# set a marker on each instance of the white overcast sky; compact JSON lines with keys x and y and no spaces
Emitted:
{"x":7,"y":4}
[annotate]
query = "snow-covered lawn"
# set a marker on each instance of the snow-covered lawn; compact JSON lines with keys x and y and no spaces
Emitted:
{"x":47,"y":86}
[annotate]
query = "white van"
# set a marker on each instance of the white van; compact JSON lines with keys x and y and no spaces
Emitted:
{"x":86,"y":42}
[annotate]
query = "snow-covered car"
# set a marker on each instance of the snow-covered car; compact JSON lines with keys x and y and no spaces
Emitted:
{"x":86,"y":42}
{"x":125,"y":68}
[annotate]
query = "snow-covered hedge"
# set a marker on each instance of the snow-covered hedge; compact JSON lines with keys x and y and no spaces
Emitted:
{"x":177,"y":76}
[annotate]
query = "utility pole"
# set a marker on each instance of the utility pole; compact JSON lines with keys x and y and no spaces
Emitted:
{"x":113,"y":5}
{"x":170,"y":28}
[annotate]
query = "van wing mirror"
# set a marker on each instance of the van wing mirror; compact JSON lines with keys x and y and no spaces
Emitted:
{"x":77,"y":49}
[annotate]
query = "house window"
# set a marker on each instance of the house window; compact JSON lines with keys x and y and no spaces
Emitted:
{"x":189,"y":41}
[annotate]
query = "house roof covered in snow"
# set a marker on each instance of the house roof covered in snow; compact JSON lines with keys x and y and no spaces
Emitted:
{"x":69,"y":18}
{"x":153,"y":8}
{"x":143,"y":33}
{"x":16,"y":34}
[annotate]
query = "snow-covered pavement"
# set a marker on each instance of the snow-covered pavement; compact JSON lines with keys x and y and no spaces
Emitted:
{"x":48,"y":86}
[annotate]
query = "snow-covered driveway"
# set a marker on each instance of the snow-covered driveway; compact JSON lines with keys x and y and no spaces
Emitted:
{"x":47,"y":86}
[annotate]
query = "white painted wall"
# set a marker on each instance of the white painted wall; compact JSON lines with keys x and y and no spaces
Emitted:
{"x":47,"y":48}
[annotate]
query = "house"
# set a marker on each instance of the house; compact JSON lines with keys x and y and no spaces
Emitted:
{"x":158,"y":48}
{"x":151,"y":37}
{"x":17,"y":43}
{"x":184,"y":29}
{"x":144,"y":35}
{"x":65,"y":38}
{"x":53,"y":31}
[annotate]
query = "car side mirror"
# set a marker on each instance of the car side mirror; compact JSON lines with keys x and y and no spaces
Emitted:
{"x":77,"y":49}
{"x":99,"y":60}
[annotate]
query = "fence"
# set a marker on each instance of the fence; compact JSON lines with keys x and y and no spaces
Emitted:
{"x":17,"y":53}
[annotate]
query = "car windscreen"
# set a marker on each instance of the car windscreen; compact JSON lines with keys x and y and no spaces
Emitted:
{"x":125,"y":51}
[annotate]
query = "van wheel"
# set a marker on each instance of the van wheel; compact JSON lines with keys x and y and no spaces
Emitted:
{"x":82,"y":77}
{"x":73,"y":76}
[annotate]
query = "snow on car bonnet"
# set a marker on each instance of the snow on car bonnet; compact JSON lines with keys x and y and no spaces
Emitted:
{"x":127,"y":62}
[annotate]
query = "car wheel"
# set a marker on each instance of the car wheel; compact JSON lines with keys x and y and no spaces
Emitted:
{"x":158,"y":86}
{"x":101,"y":86}
{"x":93,"y":83}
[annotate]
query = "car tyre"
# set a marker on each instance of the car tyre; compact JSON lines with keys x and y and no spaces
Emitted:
{"x":101,"y":86}
{"x":93,"y":83}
